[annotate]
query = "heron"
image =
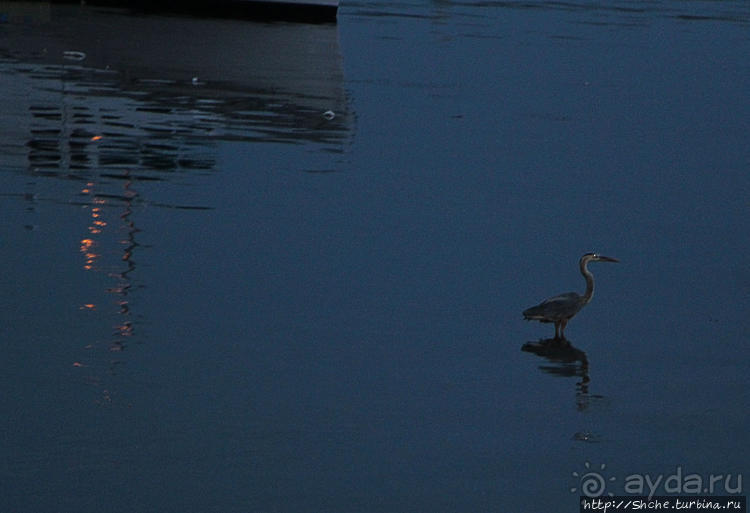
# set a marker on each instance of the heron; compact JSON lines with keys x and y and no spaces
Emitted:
{"x":560,"y":309}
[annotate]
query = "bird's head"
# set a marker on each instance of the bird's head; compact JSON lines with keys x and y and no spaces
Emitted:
{"x":595,"y":257}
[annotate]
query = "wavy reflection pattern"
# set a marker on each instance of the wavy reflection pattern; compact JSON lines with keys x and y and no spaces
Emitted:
{"x":102,"y":104}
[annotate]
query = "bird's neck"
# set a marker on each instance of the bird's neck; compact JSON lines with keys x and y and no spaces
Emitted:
{"x":589,"y":282}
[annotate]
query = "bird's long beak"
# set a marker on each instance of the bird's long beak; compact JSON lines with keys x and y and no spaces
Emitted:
{"x":607,"y":259}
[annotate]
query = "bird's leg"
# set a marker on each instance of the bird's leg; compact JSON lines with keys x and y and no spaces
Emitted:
{"x":563,"y":323}
{"x":557,"y":327}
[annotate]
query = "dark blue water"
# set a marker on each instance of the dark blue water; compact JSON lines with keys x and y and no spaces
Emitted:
{"x":217,"y":297}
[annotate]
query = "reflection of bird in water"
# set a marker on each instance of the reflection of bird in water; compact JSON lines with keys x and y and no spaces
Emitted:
{"x":560,"y":309}
{"x":565,"y":361}
{"x":563,"y":355}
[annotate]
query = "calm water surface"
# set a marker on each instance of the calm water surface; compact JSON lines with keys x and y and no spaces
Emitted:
{"x":219,"y":296}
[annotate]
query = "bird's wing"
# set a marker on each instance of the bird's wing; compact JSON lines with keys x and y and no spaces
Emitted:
{"x":557,"y":307}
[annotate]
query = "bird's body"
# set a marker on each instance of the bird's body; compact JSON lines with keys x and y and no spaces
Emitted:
{"x":560,"y":309}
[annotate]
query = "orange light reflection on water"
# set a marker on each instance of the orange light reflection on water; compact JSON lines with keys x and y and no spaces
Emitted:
{"x":89,"y":255}
{"x":94,"y":260}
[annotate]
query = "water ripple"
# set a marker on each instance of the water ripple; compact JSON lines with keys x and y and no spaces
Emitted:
{"x":163,"y":104}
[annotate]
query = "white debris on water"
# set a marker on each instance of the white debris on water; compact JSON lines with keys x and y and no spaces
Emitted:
{"x":73,"y":55}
